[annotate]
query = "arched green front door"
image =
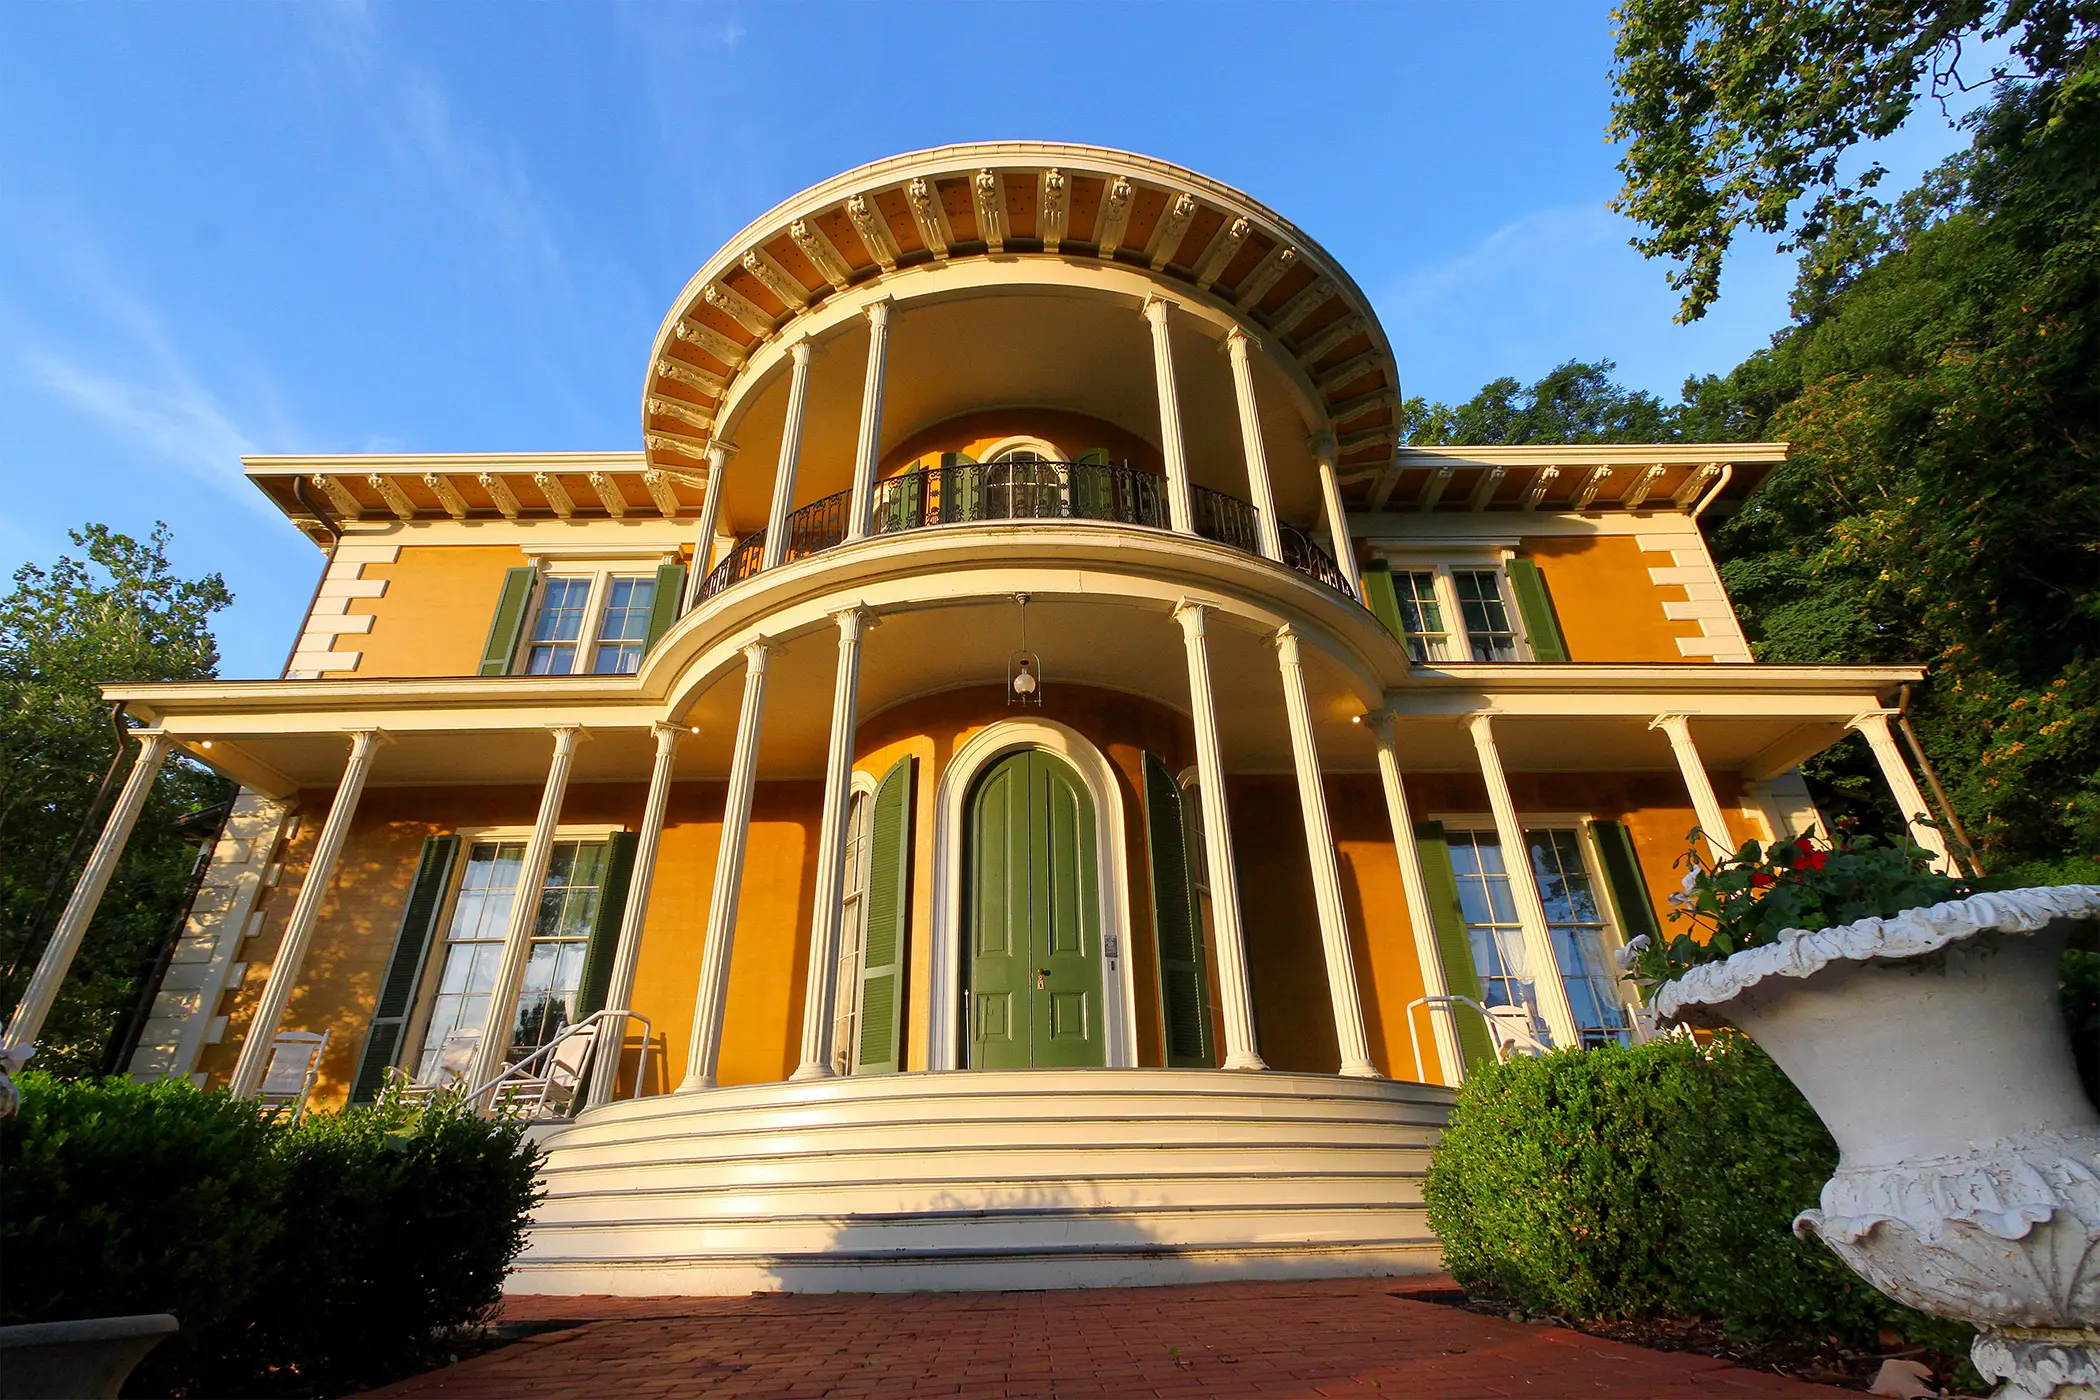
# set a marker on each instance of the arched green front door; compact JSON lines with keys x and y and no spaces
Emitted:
{"x":1033,"y":919}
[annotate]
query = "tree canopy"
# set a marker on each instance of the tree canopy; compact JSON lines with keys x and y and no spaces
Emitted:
{"x":1735,"y":112}
{"x":117,"y":612}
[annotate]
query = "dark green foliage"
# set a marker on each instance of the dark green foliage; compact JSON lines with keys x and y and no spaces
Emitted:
{"x":1576,"y":402}
{"x":307,"y":1259}
{"x":122,"y":613}
{"x":1659,"y":1181}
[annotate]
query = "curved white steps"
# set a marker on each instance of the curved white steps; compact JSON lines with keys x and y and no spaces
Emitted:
{"x":1019,"y":1179}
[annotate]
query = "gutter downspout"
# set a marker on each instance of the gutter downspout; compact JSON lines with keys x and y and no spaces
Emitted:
{"x":1727,"y":471}
{"x":335,"y":537}
{"x":1932,"y":780}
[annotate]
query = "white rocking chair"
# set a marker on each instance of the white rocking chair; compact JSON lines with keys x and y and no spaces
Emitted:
{"x":288,"y":1078}
{"x":455,"y":1059}
{"x":546,"y":1083}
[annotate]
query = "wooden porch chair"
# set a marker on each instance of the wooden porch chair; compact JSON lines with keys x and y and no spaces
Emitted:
{"x":455,"y":1059}
{"x":550,"y":1091}
{"x":294,"y":1065}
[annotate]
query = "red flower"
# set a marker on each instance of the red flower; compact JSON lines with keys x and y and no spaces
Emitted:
{"x":1759,"y":879}
{"x":1811,"y":860}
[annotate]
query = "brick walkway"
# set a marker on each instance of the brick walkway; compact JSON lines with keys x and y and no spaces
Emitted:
{"x":1349,"y":1337}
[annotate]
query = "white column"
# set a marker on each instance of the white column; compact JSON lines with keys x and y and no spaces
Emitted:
{"x":57,"y":959}
{"x":619,"y":991}
{"x":1337,"y":519}
{"x":1237,"y":345}
{"x":712,"y":998}
{"x":790,"y":456}
{"x":1713,"y":822}
{"x":870,"y":445}
{"x":1234,"y":999}
{"x":1874,"y":728}
{"x":821,"y":989}
{"x":718,"y":455}
{"x":1531,"y":911}
{"x":1326,"y":870}
{"x":306,"y":912}
{"x":1443,"y":1020}
{"x":524,"y":911}
{"x":1181,"y":510}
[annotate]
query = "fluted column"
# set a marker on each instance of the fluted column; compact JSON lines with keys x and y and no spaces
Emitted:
{"x":524,"y":910}
{"x":1181,"y":512}
{"x":1326,"y":869}
{"x":821,"y":990}
{"x":1414,"y":889}
{"x":718,"y":455}
{"x":1524,"y":889}
{"x":1713,"y":822}
{"x":775,"y":551}
{"x":619,"y":991}
{"x":712,"y":998}
{"x":870,"y":444}
{"x":1874,"y":728}
{"x":1235,"y":1000}
{"x":1337,"y":518}
{"x":28,"y":1020}
{"x":306,"y":912}
{"x":1238,"y":344}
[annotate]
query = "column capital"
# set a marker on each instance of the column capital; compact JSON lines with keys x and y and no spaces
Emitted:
{"x":801,"y":350}
{"x":1321,"y":444}
{"x":1286,"y":640}
{"x":1189,"y":612}
{"x":669,"y":731}
{"x":757,"y":651}
{"x":855,"y":620}
{"x":1482,"y":723}
{"x":878,"y":312}
{"x":1238,"y":342}
{"x":567,"y":736}
{"x":719,"y":453}
{"x":1379,"y":722}
{"x":1870,"y":721}
{"x":365,"y":740}
{"x":1156,"y":308}
{"x":1678,"y":727}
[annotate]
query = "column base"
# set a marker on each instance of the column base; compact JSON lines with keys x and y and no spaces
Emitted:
{"x":1247,"y":1061}
{"x":804,"y":1073}
{"x":1364,"y":1071}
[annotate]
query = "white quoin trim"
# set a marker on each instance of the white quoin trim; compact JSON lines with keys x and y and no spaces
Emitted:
{"x":1111,"y":865}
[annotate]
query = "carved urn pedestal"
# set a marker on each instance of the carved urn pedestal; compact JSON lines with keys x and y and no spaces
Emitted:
{"x":1968,"y":1179}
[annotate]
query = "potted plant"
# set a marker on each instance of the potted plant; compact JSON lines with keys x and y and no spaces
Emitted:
{"x":1920,"y":1019}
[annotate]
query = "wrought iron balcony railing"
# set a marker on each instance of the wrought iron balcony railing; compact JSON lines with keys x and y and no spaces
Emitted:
{"x":975,"y":492}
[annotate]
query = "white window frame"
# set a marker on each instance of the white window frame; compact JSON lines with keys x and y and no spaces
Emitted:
{"x":1443,"y":563}
{"x":1614,"y":934}
{"x":601,"y":573}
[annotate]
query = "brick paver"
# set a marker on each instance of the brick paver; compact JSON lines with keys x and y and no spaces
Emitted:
{"x":1309,"y":1340}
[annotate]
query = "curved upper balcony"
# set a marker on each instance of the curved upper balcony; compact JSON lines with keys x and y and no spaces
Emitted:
{"x":1021,"y":489}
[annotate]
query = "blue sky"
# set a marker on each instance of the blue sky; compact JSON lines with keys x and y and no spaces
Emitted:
{"x":345,"y":228}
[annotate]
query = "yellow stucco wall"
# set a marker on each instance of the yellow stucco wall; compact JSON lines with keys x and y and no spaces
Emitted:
{"x":433,"y":619}
{"x":1609,"y":609}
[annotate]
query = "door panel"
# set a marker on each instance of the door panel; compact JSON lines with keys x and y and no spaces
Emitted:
{"x":1034,"y":936}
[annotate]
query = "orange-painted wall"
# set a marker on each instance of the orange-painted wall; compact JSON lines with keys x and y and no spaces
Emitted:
{"x":975,"y":433}
{"x":1609,"y":609}
{"x":433,"y":619}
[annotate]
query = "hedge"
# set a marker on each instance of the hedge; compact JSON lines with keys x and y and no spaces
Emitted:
{"x":301,"y":1259}
{"x":1656,"y":1181}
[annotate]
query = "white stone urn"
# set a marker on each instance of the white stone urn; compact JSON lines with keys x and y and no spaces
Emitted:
{"x":1968,"y":1180}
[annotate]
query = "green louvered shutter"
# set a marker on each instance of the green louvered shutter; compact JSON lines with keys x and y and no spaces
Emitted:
{"x":1453,"y":948}
{"x":404,"y":970}
{"x":962,"y":488}
{"x":509,"y":625}
{"x":1177,"y":924}
{"x":889,"y":909}
{"x":664,"y":603}
{"x":1093,"y":492}
{"x":1622,"y":875}
{"x":1093,"y":457}
{"x":1381,"y":599}
{"x":1541,"y":623}
{"x":605,"y":929}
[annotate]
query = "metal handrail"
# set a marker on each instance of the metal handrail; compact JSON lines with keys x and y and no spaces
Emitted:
{"x":480,"y":1098}
{"x":1495,"y":1038}
{"x":978,"y":492}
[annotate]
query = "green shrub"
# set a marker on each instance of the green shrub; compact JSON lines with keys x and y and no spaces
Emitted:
{"x":1660,"y":1180}
{"x":301,"y":1259}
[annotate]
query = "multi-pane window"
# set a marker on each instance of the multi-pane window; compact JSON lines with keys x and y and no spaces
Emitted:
{"x":1492,"y":927}
{"x":853,"y":927}
{"x":474,"y":939}
{"x":1421,"y":615}
{"x":1575,"y":925}
{"x":603,"y":618}
{"x":1489,"y":631}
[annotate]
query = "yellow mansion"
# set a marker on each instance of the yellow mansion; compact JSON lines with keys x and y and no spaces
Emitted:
{"x":1020,"y":780}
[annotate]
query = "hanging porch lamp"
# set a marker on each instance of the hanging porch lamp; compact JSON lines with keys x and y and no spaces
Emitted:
{"x":1024,"y":669}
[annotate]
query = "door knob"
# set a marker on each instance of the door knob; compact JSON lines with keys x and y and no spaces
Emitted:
{"x":1042,"y":978}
